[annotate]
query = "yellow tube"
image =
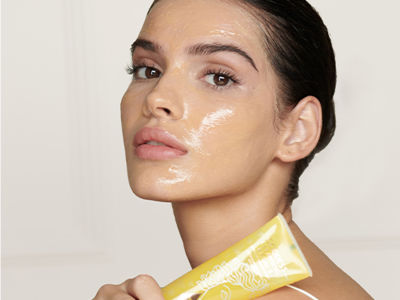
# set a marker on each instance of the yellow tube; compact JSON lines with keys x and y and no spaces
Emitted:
{"x":266,"y":260}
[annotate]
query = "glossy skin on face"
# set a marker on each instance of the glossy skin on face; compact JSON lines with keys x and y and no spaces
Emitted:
{"x":229,"y":132}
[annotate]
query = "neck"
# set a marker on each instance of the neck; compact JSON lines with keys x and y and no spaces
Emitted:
{"x":209,"y":226}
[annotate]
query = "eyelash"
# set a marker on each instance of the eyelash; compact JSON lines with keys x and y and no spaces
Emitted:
{"x":225,"y":73}
{"x":131,"y":70}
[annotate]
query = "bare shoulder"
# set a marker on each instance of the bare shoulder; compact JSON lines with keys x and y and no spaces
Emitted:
{"x":285,"y":293}
{"x":328,"y":280}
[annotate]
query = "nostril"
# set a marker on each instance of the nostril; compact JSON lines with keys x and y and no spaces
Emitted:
{"x":167,"y":110}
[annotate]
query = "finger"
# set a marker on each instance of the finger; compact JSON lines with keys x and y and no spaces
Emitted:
{"x":120,"y":296}
{"x":144,"y":287}
{"x":112,"y":292}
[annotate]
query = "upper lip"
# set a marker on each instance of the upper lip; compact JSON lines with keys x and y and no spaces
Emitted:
{"x":158,"y":135}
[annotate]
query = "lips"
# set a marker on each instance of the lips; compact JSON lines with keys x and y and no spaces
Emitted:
{"x":171,"y":148}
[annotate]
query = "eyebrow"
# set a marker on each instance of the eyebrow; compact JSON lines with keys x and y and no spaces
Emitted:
{"x":197,"y":49}
{"x":145,"y":44}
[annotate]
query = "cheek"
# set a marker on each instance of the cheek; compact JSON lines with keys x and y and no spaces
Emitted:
{"x":131,"y":110}
{"x":233,"y":147}
{"x":129,"y":106}
{"x":244,"y":130}
{"x":207,"y":133}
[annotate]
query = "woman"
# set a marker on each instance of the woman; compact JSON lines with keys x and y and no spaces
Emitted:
{"x":228,"y":104}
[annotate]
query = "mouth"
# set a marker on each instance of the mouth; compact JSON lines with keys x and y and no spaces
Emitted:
{"x":157,"y":144}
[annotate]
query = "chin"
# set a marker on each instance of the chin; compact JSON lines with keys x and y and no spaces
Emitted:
{"x":149,"y":190}
{"x":180,"y":192}
{"x":146,"y":191}
{"x":152,"y":196}
{"x":160,"y":197}
{"x":156,"y":183}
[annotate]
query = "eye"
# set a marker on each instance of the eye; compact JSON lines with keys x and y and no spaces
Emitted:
{"x":217,"y":79}
{"x":144,"y":72}
{"x":220,"y":79}
{"x":147,"y":73}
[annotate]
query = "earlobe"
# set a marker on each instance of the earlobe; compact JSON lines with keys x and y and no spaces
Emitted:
{"x":302,"y":130}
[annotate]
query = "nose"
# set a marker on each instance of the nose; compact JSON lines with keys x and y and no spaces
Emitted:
{"x":163,"y":102}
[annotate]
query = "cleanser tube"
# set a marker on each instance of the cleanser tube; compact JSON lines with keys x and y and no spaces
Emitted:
{"x":266,"y":260}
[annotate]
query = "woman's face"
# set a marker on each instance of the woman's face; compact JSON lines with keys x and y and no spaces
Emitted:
{"x":218,"y":102}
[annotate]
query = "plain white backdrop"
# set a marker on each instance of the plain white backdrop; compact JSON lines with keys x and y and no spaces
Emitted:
{"x":70,"y":222}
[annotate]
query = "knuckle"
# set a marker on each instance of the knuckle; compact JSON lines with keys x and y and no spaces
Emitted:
{"x":106,"y":289}
{"x":142,"y":280}
{"x":121,"y":297}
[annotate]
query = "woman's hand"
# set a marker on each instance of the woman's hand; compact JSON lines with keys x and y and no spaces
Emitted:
{"x":142,"y":287}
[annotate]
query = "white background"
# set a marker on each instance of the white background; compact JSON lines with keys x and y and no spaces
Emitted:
{"x":70,"y":222}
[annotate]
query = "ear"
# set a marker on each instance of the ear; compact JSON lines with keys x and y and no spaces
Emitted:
{"x":301,"y":130}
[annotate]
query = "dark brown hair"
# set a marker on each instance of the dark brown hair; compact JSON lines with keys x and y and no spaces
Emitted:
{"x":300,"y":51}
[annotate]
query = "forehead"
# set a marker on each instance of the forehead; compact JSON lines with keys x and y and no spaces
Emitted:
{"x":177,"y":23}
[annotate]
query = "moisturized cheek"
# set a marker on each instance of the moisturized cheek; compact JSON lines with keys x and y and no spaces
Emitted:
{"x":178,"y":175}
{"x":185,"y":111}
{"x":211,"y":120}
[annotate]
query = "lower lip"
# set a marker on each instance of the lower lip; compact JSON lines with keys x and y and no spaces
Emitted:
{"x":154,"y":152}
